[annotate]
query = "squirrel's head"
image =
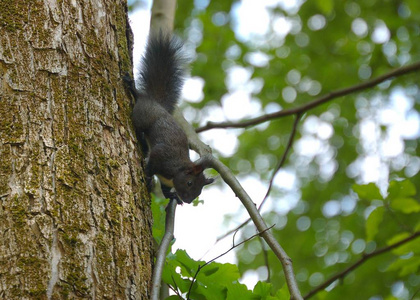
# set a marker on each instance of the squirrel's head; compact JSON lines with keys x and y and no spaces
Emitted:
{"x":189,"y":182}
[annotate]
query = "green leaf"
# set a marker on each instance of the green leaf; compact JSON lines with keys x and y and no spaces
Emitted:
{"x":226,"y":273}
{"x":405,"y":266}
{"x":282,"y":294}
{"x":212,"y":282}
{"x":197,"y":202}
{"x":175,"y":280}
{"x":213,"y":292}
{"x":405,"y":205}
{"x":188,"y":266}
{"x":398,"y":237}
{"x":178,"y":267}
{"x":412,"y":246}
{"x":210,"y":271}
{"x":262,"y":289}
{"x":240,"y":291}
{"x":373,"y":222}
{"x":368,"y":191}
{"x":401,"y":189}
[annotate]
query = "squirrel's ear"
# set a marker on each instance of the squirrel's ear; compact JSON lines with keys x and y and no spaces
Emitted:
{"x":203,"y":162}
{"x":197,"y":169}
{"x":208,"y":181}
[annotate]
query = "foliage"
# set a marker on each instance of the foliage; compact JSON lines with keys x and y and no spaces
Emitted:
{"x":352,"y":192}
{"x":214,"y":281}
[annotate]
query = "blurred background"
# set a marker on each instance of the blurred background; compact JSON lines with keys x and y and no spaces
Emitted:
{"x":351,"y":180}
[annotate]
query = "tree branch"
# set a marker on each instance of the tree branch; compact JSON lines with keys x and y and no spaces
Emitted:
{"x":328,"y":97}
{"x":362,"y":260}
{"x":163,"y":15}
{"x":163,"y":248}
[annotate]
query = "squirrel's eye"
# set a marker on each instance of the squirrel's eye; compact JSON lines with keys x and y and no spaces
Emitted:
{"x":189,"y":183}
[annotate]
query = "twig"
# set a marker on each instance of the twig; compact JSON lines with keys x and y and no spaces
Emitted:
{"x":301,"y":109}
{"x":233,"y":238}
{"x":175,"y":290}
{"x":283,"y":159}
{"x":224,"y":253}
{"x":362,"y":260}
{"x":163,"y":248}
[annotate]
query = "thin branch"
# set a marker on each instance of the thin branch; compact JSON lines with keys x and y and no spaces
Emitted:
{"x":197,"y":145}
{"x":163,"y":15}
{"x":233,"y":238}
{"x":362,"y":260}
{"x":261,"y":226}
{"x":224,"y":253}
{"x":284,"y":157}
{"x":279,"y":166}
{"x":175,"y":290}
{"x":163,"y":248}
{"x":328,"y":97}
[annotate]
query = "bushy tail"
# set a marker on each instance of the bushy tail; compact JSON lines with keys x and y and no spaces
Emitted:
{"x":162,"y":70}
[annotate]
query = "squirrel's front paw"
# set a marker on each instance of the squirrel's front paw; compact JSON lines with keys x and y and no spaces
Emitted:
{"x":169,"y":194}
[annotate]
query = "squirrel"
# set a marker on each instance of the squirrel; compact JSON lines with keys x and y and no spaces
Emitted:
{"x":160,"y":81}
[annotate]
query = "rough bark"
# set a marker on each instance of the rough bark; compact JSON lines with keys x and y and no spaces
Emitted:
{"x":75,"y":221}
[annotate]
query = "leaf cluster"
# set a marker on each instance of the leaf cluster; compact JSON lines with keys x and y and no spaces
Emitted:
{"x":214,"y":281}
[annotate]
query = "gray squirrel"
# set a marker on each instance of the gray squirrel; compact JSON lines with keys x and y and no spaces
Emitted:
{"x":160,"y":81}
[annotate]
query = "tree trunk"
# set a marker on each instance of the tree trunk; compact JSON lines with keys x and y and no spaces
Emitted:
{"x":75,"y":220}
